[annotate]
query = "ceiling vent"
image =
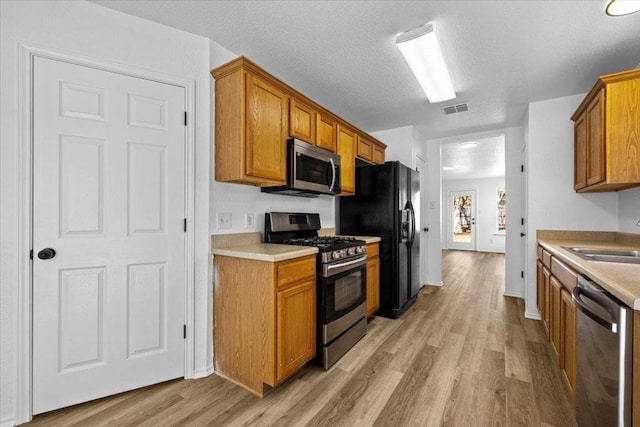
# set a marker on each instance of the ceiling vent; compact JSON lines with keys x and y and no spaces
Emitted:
{"x":458,"y":108}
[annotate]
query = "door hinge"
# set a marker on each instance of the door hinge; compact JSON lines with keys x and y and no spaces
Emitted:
{"x":31,"y":254}
{"x":521,"y":168}
{"x":185,"y":118}
{"x":521,"y":221}
{"x":184,"y":332}
{"x":522,"y":274}
{"x":185,"y":225}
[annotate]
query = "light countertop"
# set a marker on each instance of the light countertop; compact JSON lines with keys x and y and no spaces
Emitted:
{"x":621,"y":280}
{"x":266,"y":251}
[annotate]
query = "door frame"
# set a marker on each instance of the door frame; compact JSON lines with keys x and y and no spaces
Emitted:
{"x":24,"y":351}
{"x":474,"y":224}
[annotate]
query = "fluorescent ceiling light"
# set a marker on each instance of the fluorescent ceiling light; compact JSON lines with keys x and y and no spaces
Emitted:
{"x":622,"y":7}
{"x":467,"y":145}
{"x":422,"y":52}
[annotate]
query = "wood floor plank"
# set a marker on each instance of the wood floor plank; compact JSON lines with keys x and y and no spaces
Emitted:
{"x":462,"y":355}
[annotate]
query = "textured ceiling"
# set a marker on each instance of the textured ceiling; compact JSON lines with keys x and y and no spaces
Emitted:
{"x":486,"y":160}
{"x":501,"y":54}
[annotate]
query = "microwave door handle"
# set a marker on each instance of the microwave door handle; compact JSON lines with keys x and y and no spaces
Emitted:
{"x":333,"y":176}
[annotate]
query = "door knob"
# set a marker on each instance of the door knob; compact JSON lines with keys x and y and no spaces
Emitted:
{"x":47,"y":253}
{"x":522,"y":234}
{"x":425,"y":229}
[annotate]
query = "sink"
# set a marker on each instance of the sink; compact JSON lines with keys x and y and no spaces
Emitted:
{"x":607,"y":255}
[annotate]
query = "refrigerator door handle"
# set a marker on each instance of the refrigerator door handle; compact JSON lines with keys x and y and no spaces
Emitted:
{"x":413,"y":224}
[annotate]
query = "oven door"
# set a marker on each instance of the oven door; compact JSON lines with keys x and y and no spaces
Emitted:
{"x":343,"y":288}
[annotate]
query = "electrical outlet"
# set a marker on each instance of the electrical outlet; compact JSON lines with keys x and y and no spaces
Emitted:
{"x":249,"y":220}
{"x":224,"y":220}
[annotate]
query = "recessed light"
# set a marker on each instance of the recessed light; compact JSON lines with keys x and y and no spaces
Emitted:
{"x":622,"y":7}
{"x":466,"y":145}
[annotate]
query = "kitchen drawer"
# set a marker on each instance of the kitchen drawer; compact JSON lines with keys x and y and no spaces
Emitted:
{"x":372,"y":250}
{"x":564,"y":274}
{"x":295,"y":270}
{"x":546,"y":259}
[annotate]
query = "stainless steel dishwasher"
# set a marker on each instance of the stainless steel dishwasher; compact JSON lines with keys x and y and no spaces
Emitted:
{"x":604,"y":352}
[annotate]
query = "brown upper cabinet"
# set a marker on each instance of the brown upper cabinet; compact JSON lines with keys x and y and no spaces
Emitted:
{"x":302,"y":121}
{"x":326,"y":132}
{"x":346,"y":150}
{"x":256,"y":114}
{"x":365,"y":148}
{"x":607,"y":135}
{"x":252,"y":112}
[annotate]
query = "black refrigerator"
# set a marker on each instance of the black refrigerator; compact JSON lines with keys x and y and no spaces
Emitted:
{"x":385,"y":204}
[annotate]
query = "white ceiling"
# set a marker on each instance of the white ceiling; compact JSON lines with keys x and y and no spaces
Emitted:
{"x":501,"y":54}
{"x":486,"y":160}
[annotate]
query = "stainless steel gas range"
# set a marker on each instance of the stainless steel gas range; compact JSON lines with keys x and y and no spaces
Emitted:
{"x":341,"y":281}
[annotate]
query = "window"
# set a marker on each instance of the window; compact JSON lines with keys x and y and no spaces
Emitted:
{"x":502,"y":210}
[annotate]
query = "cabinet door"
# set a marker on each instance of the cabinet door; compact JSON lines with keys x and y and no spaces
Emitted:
{"x":326,"y":132}
{"x":569,"y":323}
{"x":378,"y":154}
{"x":266,"y":130}
{"x":346,"y":150}
{"x":365,"y":148}
{"x":302,"y":121}
{"x":546,"y":279}
{"x":595,"y":141}
{"x":540,"y":288}
{"x":555,"y":321}
{"x":373,"y":285}
{"x":296,"y":328}
{"x":580,"y":155}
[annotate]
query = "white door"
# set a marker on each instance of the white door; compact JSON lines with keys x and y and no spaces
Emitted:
{"x":109,"y":198}
{"x":462,"y":220}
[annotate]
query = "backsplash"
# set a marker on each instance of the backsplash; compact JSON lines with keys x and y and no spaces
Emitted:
{"x":240,"y":200}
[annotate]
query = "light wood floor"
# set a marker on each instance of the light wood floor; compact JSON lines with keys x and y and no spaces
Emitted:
{"x":463,"y":355}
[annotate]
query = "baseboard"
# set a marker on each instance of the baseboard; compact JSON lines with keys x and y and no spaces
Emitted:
{"x":7,"y":422}
{"x":439,"y":284}
{"x":512,"y":294}
{"x":534,"y":316}
{"x":202,"y":373}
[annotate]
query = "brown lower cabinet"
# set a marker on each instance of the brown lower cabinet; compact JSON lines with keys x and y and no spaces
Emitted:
{"x":373,"y":278}
{"x":264,"y":321}
{"x":554,"y":283}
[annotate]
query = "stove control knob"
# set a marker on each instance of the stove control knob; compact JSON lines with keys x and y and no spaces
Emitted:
{"x":336,"y":254}
{"x":359,"y":249}
{"x":351,"y":251}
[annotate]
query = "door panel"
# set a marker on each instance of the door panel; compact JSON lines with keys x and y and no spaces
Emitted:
{"x":462,"y":219}
{"x":108,"y":186}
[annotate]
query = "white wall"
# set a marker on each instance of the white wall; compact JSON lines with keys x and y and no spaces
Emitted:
{"x":487,"y":239}
{"x":104,"y":35}
{"x":552,"y":201}
{"x":513,"y":138}
{"x":629,"y":210}
{"x":401,"y":144}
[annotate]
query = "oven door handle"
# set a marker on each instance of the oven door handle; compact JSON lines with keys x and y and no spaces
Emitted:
{"x":344,"y":264}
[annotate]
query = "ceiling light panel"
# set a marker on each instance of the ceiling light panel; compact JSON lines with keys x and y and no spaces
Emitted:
{"x":422,"y":52}
{"x":622,"y":7}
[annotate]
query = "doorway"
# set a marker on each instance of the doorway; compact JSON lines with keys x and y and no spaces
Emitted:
{"x":462,"y":220}
{"x":109,"y":203}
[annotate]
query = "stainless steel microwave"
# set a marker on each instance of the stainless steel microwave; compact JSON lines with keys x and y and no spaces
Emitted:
{"x":310,"y":171}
